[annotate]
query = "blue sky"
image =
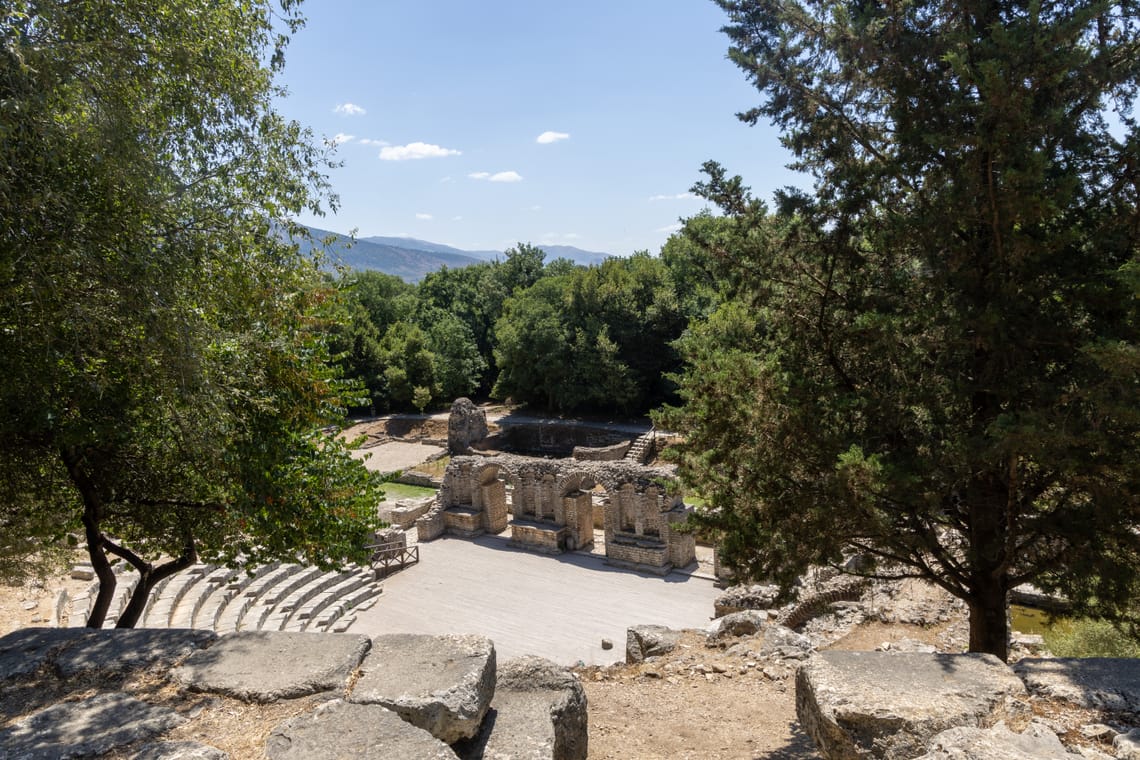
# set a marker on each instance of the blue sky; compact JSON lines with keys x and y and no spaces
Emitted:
{"x":484,"y":124}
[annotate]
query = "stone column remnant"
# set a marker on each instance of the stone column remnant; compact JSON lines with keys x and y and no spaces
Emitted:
{"x":466,"y":424}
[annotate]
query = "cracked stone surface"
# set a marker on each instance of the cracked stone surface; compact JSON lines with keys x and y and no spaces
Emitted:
{"x":84,"y":729}
{"x":265,"y":666}
{"x":1096,"y":683}
{"x":368,"y":732}
{"x":180,"y":751}
{"x":888,"y":704}
{"x":24,"y":651}
{"x":121,"y":650}
{"x":443,"y":684}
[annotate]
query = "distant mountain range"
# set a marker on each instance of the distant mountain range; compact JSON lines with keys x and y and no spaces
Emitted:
{"x":410,"y":259}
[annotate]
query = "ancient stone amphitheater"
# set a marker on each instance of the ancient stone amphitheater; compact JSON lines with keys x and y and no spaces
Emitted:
{"x":275,"y":597}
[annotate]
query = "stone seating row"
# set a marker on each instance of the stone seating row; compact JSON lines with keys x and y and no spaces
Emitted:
{"x":278,"y":596}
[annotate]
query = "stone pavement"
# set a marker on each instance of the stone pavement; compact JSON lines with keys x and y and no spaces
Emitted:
{"x":558,"y":607}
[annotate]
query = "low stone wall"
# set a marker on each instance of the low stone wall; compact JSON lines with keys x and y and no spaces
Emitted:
{"x":603,"y":454}
{"x":548,"y":539}
{"x":417,"y":478}
{"x":431,"y":526}
{"x":403,"y":513}
{"x":652,"y":556}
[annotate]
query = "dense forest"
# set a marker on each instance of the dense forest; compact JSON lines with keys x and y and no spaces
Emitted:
{"x":553,"y":334}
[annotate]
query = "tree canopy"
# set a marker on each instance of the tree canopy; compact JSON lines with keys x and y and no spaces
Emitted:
{"x":166,"y":374}
{"x":931,"y":360}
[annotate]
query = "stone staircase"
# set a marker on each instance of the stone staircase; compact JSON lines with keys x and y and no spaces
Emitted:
{"x":274,"y":597}
{"x":643,"y":449}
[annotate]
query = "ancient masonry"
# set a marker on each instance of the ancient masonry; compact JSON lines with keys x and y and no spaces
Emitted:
{"x":551,"y":507}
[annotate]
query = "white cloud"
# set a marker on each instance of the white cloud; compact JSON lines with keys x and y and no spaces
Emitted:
{"x":415,"y":150}
{"x":676,"y":227}
{"x":675,"y":197}
{"x":423,"y":217}
{"x":536,"y":208}
{"x":370,"y":141}
{"x":349,"y":109}
{"x":456,"y":218}
{"x":497,"y":176}
{"x":340,"y":138}
{"x":551,"y":137}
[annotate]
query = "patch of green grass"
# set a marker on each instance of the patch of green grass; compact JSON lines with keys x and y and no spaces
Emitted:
{"x":393,"y":491}
{"x":1089,"y":638}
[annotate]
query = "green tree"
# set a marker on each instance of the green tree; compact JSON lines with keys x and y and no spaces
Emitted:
{"x":163,"y":350}
{"x":933,"y":360}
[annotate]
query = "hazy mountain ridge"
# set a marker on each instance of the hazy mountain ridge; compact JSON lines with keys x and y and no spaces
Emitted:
{"x":412,"y":258}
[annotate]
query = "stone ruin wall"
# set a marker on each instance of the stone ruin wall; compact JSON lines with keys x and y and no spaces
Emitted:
{"x":551,"y":507}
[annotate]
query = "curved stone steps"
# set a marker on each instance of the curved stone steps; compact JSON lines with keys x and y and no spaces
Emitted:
{"x":340,"y":611}
{"x":159,"y":611}
{"x":290,"y":607}
{"x":255,"y":620}
{"x":275,"y":597}
{"x":326,"y":606}
{"x":80,"y":605}
{"x":155,"y":595}
{"x":215,"y":605}
{"x":183,"y":614}
{"x":125,"y":583}
{"x":232,"y":616}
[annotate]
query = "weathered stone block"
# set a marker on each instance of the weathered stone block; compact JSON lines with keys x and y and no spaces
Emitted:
{"x":887,"y":705}
{"x":1127,"y":746}
{"x":179,"y":751}
{"x":538,"y":713}
{"x":264,"y":666}
{"x":24,"y":651}
{"x":340,"y":729}
{"x":86,"y":729}
{"x":1097,"y":683}
{"x":740,"y":598}
{"x":443,"y":684}
{"x":643,"y":641}
{"x":733,"y":625}
{"x":121,"y":650}
{"x":997,"y":743}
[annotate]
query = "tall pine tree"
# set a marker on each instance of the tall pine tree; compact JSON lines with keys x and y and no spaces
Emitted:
{"x":932,"y":358}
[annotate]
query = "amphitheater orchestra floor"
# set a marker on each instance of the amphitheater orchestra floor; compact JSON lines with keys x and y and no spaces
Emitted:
{"x":559,"y":607}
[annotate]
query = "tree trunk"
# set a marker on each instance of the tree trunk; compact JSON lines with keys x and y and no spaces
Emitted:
{"x":989,"y":620}
{"x":149,"y":577}
{"x":103,"y":571}
{"x":92,"y":518}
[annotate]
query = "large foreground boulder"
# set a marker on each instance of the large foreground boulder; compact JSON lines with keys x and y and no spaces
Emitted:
{"x":88,"y":728}
{"x":264,"y":666}
{"x":1094,"y":683}
{"x":887,"y":704}
{"x":337,"y":730}
{"x":538,"y":713}
{"x":442,"y":684}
